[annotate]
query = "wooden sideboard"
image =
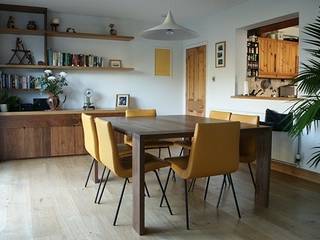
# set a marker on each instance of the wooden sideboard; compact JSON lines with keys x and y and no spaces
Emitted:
{"x":45,"y":134}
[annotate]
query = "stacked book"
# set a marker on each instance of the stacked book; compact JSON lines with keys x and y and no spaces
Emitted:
{"x":71,"y":59}
{"x":14,"y":81}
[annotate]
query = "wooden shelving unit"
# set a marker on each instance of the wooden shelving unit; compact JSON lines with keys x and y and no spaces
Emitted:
{"x":71,"y":68}
{"x":89,"y":36}
{"x":23,"y":89}
{"x":18,"y":31}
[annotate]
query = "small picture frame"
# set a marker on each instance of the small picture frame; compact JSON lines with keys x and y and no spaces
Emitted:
{"x":220,"y":54}
{"x":115,"y":63}
{"x":122,"y":100}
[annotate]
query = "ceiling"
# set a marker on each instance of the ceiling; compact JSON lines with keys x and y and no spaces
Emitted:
{"x":148,"y":10}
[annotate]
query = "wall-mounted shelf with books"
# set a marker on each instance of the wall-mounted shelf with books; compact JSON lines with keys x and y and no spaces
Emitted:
{"x":89,"y":36}
{"x":71,"y":68}
{"x":23,"y":89}
{"x":21,"y":31}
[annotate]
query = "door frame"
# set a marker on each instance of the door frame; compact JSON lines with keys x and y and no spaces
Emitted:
{"x":185,"y":48}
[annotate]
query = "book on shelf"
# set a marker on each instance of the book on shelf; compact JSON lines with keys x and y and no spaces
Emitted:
{"x":15,"y":81}
{"x":56,"y":58}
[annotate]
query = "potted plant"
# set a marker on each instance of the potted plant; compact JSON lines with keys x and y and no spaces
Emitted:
{"x":3,"y":100}
{"x":306,"y":111}
{"x":8,"y":103}
{"x":53,"y":85}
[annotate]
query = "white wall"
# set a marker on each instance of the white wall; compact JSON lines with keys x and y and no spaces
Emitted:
{"x":145,"y":89}
{"x":225,"y":27}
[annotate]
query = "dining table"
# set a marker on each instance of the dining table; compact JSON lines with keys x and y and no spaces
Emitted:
{"x":143,"y":129}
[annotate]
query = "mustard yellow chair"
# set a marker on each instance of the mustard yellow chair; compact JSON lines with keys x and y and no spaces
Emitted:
{"x":214,"y":151}
{"x":121,"y":165}
{"x":247,"y":143}
{"x":91,"y":143}
{"x":152,"y":144}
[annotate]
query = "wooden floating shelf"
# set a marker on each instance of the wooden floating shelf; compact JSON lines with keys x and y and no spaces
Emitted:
{"x":21,"y":31}
{"x":267,"y":98}
{"x":89,"y":36}
{"x":65,"y":34}
{"x":71,"y":68}
{"x":23,"y":89}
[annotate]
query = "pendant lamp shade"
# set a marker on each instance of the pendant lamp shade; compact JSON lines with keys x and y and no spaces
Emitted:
{"x":169,"y":31}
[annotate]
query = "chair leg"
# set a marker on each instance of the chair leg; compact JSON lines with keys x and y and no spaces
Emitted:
{"x":165,"y":186}
{"x":234,"y":195}
{"x":180,"y":154}
{"x":104,"y":185}
{"x":174,"y":176}
{"x":120,"y":200}
{"x":163,"y":192}
{"x":159,"y":152}
{"x":252,"y":177}
{"x":193,"y":182}
{"x":101,"y":179}
{"x":221,"y":190}
{"x":93,"y":160}
{"x":206,"y":191}
{"x":186,"y":203}
{"x":169,"y":151}
{"x":147,"y":190}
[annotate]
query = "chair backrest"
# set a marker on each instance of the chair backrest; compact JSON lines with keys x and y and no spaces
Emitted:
{"x":250,"y":119}
{"x":108,"y":150}
{"x":214,"y":150}
{"x":220,"y":115}
{"x":90,"y":136}
{"x":141,"y":113}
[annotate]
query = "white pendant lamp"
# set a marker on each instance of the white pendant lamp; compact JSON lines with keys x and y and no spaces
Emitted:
{"x":169,"y":31}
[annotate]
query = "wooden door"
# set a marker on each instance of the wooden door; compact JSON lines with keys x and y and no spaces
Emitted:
{"x":196,"y":81}
{"x":287,"y":64}
{"x":268,"y":49}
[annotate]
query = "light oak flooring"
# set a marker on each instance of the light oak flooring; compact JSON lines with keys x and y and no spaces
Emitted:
{"x":45,"y":199}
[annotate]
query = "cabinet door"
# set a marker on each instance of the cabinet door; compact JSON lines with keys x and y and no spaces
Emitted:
{"x":79,"y":140}
{"x":267,"y":57}
{"x":36,"y":142}
{"x":287,"y":64}
{"x":62,"y":141}
{"x":11,"y":143}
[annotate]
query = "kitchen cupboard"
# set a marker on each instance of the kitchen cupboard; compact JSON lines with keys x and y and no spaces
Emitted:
{"x":278,"y":58}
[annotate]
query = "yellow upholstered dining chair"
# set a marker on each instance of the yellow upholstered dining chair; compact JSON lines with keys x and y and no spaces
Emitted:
{"x":91,"y":144}
{"x":214,"y":151}
{"x":121,"y":165}
{"x":247,"y":143}
{"x":152,"y":144}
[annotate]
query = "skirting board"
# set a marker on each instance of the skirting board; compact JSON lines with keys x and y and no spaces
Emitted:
{"x":292,"y":170}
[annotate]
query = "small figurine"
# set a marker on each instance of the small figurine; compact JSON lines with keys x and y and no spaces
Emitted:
{"x":112,"y":31}
{"x":32,"y":25}
{"x":69,"y":29}
{"x":11,"y":22}
{"x":55,"y":24}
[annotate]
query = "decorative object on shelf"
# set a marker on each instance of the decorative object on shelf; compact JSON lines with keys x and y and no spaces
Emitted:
{"x":69,"y":29}
{"x":88,"y":103}
{"x":252,"y":56}
{"x":32,"y":25}
{"x":41,"y":63}
{"x":55,"y":22}
{"x":169,"y":30}
{"x":122,"y":100}
{"x":245,"y":88}
{"x":20,"y":49}
{"x":115,"y":63}
{"x":11,"y":22}
{"x":112,"y":31}
{"x":53,"y":85}
{"x":220,"y":54}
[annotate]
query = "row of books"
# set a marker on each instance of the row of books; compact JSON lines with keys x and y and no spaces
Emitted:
{"x":14,"y":81}
{"x":70,"y":59}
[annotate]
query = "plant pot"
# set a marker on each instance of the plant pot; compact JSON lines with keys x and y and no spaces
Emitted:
{"x":4,"y":107}
{"x":53,"y":102}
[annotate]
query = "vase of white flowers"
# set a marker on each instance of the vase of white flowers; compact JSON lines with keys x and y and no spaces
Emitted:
{"x":53,"y":85}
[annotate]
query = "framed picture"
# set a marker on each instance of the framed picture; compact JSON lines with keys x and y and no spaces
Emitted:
{"x":115,"y":63}
{"x":220,"y":54}
{"x":122,"y":100}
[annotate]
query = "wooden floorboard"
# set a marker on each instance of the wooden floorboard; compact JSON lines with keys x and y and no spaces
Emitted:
{"x":45,"y":199}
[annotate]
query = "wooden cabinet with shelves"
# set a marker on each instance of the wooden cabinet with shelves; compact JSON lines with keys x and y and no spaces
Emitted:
{"x":278,"y":58}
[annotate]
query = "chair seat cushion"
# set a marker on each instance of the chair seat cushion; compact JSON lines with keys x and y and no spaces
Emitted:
{"x":124,"y":149}
{"x":246,"y":158}
{"x":151,"y":163}
{"x":179,"y":165}
{"x":184,"y":144}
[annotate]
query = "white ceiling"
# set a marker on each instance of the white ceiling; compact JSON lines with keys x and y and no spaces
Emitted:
{"x":149,"y":10}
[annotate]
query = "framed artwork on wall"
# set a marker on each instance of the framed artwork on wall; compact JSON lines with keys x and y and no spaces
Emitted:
{"x":220,"y":54}
{"x":122,"y":100}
